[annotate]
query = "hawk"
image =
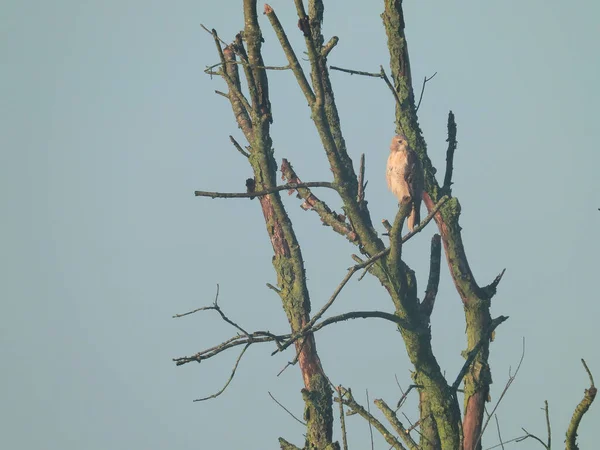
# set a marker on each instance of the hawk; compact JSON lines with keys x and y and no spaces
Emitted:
{"x":405,"y":176}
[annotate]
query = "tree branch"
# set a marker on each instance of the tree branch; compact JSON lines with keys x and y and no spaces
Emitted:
{"x":284,"y":187}
{"x":348,"y":400}
{"x":328,"y":217}
{"x":289,"y":53}
{"x":511,"y":379}
{"x":286,"y":410}
{"x":390,"y":415}
{"x":580,"y":410}
{"x":434,"y":275}
{"x":216,"y":394}
{"x":447,"y":188}
{"x":425,"y":80}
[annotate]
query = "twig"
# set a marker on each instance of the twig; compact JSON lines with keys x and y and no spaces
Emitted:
{"x":549,"y":446}
{"x":217,"y":308}
{"x":511,"y":378}
{"x":498,"y":428}
{"x":404,"y":395}
{"x":501,"y":444}
{"x":238,"y":147}
{"x":230,"y":377}
{"x":370,"y":426}
{"x":381,"y":75}
{"x":295,"y":360}
{"x":211,"y":33}
{"x":270,"y":286}
{"x":285,"y":187}
{"x":342,"y":419}
{"x":286,"y":410}
{"x":529,"y":435}
{"x":425,"y":80}
{"x":447,"y":187}
{"x":325,"y":307}
{"x":361,"y":184}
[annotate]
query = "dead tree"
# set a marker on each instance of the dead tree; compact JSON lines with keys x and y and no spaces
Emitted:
{"x":441,"y":425}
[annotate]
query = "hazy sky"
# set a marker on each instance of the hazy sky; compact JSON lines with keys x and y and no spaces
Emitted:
{"x":108,"y":125}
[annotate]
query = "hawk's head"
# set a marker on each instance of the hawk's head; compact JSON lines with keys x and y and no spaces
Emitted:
{"x":399,"y":142}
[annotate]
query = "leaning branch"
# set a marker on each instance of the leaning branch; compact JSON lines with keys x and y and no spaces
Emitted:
{"x":347,"y":399}
{"x":311,"y":201}
{"x":290,"y":54}
{"x":390,"y":415}
{"x":580,"y":410}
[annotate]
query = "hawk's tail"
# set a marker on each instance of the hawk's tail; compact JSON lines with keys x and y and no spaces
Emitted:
{"x":415,"y":218}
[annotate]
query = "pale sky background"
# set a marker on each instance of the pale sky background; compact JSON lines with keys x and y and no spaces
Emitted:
{"x":108,"y":125}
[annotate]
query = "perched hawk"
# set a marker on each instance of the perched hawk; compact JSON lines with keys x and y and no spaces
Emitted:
{"x":405,"y":176}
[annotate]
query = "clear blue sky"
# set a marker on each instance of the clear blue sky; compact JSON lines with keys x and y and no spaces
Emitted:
{"x":108,"y":125}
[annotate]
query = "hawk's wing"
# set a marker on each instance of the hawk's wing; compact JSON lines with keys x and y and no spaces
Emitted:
{"x":413,"y":175}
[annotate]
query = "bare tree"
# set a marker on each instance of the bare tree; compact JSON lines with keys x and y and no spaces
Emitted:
{"x":441,"y":424}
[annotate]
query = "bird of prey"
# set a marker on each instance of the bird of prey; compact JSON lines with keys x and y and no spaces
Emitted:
{"x":405,"y":176}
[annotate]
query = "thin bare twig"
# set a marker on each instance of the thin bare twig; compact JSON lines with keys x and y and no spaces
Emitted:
{"x":370,"y":426}
{"x":511,"y":378}
{"x":342,"y":419}
{"x":285,"y":187}
{"x":529,"y":435}
{"x":404,"y":395}
{"x":217,"y":308}
{"x":381,"y":75}
{"x":230,"y":377}
{"x":286,"y":410}
{"x":425,"y":80}
{"x":211,"y":33}
{"x":498,"y":428}
{"x":295,"y":360}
